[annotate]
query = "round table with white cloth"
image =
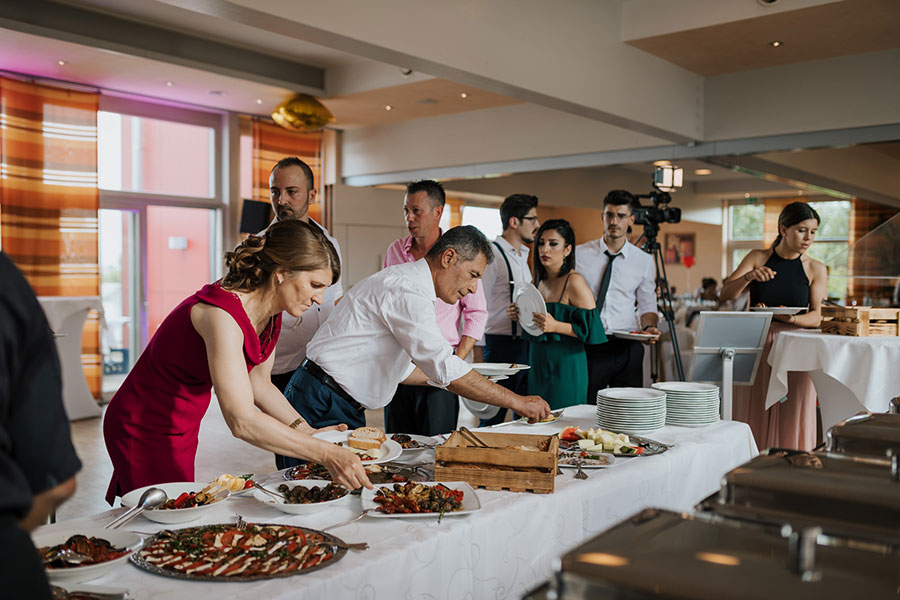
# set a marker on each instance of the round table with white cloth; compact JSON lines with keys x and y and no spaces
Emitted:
{"x":851,"y":374}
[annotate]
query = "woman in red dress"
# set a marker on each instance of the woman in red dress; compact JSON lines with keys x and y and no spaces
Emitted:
{"x":224,"y":336}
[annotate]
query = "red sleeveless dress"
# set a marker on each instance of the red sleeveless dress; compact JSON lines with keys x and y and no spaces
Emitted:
{"x":152,"y":422}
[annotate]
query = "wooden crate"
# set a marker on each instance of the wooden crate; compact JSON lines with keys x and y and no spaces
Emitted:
{"x":504,"y":468}
{"x":861,"y":321}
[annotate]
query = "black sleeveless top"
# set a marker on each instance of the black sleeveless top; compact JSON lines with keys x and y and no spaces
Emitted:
{"x":789,"y":287}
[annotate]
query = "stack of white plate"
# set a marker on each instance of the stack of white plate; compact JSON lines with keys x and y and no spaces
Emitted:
{"x":631,"y":410}
{"x":690,"y":404}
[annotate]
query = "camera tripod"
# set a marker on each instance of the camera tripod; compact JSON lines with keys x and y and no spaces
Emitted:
{"x":651,"y":246}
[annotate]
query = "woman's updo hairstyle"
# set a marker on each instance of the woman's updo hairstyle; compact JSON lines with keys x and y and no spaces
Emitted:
{"x":292,"y":245}
{"x":793,"y":213}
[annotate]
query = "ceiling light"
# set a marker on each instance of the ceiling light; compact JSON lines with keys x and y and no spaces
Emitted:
{"x":61,"y":63}
{"x":169,"y":84}
{"x":661,"y":163}
{"x":464,"y":95}
{"x":746,"y":194}
{"x":799,"y":192}
{"x":388,"y":107}
{"x":702,"y":172}
{"x":302,"y":113}
{"x":775,"y":43}
{"x":259,"y":100}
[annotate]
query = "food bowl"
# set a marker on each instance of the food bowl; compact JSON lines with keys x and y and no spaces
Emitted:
{"x":173,"y":490}
{"x":298,"y":509}
{"x":56,"y":535}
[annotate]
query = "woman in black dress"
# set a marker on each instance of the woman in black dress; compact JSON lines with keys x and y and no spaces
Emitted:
{"x":783,"y":275}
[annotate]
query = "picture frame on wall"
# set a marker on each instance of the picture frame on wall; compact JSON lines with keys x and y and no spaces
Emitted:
{"x":678,"y":246}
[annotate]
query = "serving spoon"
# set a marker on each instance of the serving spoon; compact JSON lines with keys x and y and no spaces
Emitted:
{"x":149,"y":499}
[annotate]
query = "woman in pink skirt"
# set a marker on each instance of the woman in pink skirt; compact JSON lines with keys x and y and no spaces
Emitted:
{"x":783,"y":275}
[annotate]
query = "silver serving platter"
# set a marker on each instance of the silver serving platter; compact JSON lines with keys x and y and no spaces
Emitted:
{"x":651,"y":447}
{"x":143,"y":564}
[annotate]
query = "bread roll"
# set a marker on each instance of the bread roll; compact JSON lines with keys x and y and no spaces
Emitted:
{"x":366,"y":438}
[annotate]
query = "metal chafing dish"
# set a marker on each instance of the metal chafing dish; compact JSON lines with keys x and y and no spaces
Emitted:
{"x":851,"y":497}
{"x":867,"y":434}
{"x":661,"y":554}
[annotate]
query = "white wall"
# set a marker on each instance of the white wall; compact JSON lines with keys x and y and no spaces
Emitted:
{"x":365,"y":222}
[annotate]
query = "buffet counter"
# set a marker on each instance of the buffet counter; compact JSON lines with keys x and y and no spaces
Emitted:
{"x":500,"y":551}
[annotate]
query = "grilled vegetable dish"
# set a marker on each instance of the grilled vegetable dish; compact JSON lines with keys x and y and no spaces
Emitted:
{"x":96,"y":549}
{"x":405,"y":441}
{"x":418,"y":498}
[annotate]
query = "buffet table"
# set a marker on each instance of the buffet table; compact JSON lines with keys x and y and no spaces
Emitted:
{"x":851,"y":374}
{"x":501,"y":551}
{"x":66,"y":315}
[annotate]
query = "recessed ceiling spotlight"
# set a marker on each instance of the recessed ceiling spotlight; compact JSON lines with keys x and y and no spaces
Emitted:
{"x":216,"y":93}
{"x":61,"y":63}
{"x":259,"y":100}
{"x":661,"y":163}
{"x":464,"y":95}
{"x":388,"y":107}
{"x":776,"y":43}
{"x":702,"y":172}
{"x":169,"y":84}
{"x":799,"y":192}
{"x":746,"y":194}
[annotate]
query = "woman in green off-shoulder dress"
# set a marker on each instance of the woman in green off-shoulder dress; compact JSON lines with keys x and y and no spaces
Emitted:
{"x":559,"y":372}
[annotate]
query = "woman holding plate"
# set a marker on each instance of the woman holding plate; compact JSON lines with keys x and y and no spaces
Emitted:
{"x":224,"y":336}
{"x":559,"y":371}
{"x":782,"y":276}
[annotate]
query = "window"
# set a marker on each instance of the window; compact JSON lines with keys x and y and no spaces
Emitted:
{"x":746,"y":229}
{"x":485,"y":219}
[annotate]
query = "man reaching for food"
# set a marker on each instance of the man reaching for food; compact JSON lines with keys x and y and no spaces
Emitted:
{"x":384,"y":333}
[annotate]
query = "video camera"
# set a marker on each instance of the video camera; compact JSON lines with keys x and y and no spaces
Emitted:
{"x":658,"y":212}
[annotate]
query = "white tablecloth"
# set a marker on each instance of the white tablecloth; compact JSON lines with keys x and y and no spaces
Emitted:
{"x":499,"y":552}
{"x":851,"y":374}
{"x":66,"y":315}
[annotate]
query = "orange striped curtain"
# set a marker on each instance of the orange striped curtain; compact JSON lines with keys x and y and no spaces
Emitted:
{"x":271,"y":143}
{"x":49,"y":197}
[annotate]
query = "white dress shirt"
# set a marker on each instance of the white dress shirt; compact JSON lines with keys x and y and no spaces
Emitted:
{"x":384,"y":325}
{"x":296,"y":333}
{"x":633,"y":282}
{"x":496,"y":284}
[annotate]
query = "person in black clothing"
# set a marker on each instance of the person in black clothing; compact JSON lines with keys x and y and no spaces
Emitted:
{"x":783,"y":275}
{"x":37,"y":460}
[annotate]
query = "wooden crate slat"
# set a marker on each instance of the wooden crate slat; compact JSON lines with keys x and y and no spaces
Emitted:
{"x":861,"y":321}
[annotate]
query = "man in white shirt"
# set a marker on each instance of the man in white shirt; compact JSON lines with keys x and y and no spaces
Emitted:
{"x":291,"y":190}
{"x":622,"y":277}
{"x":384,"y":332}
{"x":503,"y":342}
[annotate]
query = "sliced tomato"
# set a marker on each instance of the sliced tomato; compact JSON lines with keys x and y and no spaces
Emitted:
{"x":570,"y":434}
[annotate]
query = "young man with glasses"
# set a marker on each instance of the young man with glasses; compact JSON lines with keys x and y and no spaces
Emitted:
{"x":621,"y":277}
{"x":503,"y":341}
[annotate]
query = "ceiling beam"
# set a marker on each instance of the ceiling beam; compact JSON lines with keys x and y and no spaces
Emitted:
{"x":73,"y":24}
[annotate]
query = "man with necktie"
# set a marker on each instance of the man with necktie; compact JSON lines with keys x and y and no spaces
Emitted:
{"x":623,"y":279}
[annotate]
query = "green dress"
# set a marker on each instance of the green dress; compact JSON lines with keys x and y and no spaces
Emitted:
{"x":559,"y":371}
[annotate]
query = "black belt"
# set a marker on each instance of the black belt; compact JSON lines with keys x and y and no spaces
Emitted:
{"x":317,"y":372}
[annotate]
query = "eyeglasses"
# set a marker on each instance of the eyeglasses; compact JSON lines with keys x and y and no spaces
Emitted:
{"x":530,"y":219}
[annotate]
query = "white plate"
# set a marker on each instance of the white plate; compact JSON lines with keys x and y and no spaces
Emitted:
{"x":470,"y":502}
{"x":529,"y":301}
{"x":298,"y":509}
{"x":59,"y":534}
{"x":778,"y":310}
{"x":415,"y":453}
{"x":389,"y":449}
{"x":627,"y":335}
{"x":612,"y":461}
{"x":489,"y":369}
{"x":173,"y":490}
{"x":631,"y":394}
{"x":685,"y":387}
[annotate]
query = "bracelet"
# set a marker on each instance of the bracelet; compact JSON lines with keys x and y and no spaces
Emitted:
{"x":745,"y":275}
{"x":646,"y":327}
{"x":297,"y":423}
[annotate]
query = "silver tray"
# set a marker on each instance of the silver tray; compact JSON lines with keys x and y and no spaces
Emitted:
{"x":651,"y":447}
{"x":142,"y":564}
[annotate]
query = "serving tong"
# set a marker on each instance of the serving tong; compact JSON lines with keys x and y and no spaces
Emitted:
{"x":474,"y":439}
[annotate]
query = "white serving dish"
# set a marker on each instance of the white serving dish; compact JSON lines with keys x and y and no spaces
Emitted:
{"x":778,"y":310}
{"x":298,"y":509}
{"x":488,"y":369}
{"x":410,"y":454}
{"x":117,"y":537}
{"x":389,"y":449}
{"x":628,"y":335}
{"x":173,"y":490}
{"x":470,"y":501}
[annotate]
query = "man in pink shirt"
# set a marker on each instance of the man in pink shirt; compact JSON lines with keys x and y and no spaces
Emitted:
{"x":427,"y":410}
